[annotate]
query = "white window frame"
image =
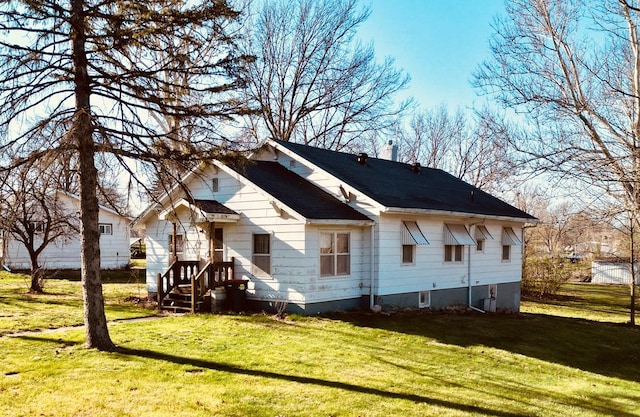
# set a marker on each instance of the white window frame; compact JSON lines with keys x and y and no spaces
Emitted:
{"x":453,"y":249}
{"x":412,"y":260}
{"x":506,"y":253}
{"x":424,"y":299}
{"x":334,"y":254}
{"x":104,"y":227}
{"x":257,"y":270}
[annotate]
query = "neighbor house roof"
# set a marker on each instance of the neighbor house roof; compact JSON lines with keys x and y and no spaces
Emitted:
{"x":397,"y":185}
{"x":297,"y":193}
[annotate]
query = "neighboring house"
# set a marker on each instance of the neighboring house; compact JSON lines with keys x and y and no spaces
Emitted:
{"x":64,"y":253}
{"x":319,"y":230}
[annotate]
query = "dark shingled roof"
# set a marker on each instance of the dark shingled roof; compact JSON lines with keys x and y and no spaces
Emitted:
{"x":212,"y":207}
{"x":296,"y":192}
{"x":395,"y":184}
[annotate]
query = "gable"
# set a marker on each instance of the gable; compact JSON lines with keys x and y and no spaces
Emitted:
{"x":397,"y":185}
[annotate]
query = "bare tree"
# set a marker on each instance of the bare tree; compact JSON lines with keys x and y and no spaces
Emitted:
{"x":571,"y":69}
{"x":89,"y":65}
{"x":472,"y":148}
{"x":33,"y":214}
{"x":312,"y":81}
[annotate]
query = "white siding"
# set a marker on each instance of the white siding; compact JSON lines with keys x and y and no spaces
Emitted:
{"x":294,"y":246}
{"x":65,"y":253}
{"x":430,"y":271}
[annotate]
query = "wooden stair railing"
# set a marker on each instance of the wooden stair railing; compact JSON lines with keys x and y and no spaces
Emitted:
{"x":188,"y":273}
{"x":179,"y":273}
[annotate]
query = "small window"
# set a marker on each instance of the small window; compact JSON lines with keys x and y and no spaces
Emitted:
{"x":479,"y":245}
{"x":37,"y":227}
{"x":408,"y":252}
{"x":424,"y":299}
{"x":335,"y":255}
{"x":106,"y":228}
{"x":261,"y":254}
{"x":453,"y":253}
{"x":214,"y":184}
{"x":506,"y":252}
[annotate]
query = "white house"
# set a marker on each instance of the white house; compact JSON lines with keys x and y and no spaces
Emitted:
{"x":65,"y":253}
{"x":320,"y":230}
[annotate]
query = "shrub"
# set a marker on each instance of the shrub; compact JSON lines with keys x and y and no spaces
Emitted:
{"x":542,"y":276}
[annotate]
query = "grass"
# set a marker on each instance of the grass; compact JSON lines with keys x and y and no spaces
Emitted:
{"x":61,"y":304}
{"x":548,"y":361}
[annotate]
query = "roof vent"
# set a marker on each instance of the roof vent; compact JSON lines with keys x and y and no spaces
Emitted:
{"x":416,"y":167}
{"x":362,"y":158}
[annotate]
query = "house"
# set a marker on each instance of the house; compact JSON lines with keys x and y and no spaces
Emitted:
{"x":64,"y":253}
{"x":317,"y":230}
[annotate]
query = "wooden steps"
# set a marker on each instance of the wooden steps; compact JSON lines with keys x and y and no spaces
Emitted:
{"x":178,"y":300}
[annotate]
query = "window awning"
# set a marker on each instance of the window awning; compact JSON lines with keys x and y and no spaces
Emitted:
{"x":482,"y":233}
{"x":412,"y":235}
{"x":457,"y":234}
{"x":509,"y":237}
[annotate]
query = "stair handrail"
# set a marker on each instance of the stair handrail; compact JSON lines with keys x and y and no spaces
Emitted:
{"x":175,"y":268}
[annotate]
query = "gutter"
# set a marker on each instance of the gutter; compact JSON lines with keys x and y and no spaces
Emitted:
{"x":402,"y":210}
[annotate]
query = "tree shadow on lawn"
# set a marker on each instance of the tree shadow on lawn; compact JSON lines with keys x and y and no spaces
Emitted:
{"x":233,"y":369}
{"x":607,"y":349}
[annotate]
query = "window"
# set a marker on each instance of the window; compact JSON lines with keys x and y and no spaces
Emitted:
{"x":506,"y":252}
{"x":106,"y":228}
{"x":509,"y":238}
{"x":214,"y":185}
{"x":411,"y":237}
{"x":408,"y":252}
{"x":261,"y":257}
{"x":453,"y":253}
{"x":482,"y":235}
{"x":335,"y":257}
{"x":424,"y":299}
{"x":179,"y":244}
{"x":37,"y":227}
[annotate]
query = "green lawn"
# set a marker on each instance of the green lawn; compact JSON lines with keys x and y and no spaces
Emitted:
{"x":61,"y":303}
{"x":548,"y":361}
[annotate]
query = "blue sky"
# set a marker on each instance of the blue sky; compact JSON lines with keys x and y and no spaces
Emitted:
{"x":438,"y":42}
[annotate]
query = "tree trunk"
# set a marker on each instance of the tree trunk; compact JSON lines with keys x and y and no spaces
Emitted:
{"x":36,"y":284}
{"x":82,"y":135}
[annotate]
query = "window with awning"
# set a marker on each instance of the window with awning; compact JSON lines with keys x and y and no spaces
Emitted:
{"x":482,"y":233}
{"x":509,"y":237}
{"x":457,"y":234}
{"x":412,"y":235}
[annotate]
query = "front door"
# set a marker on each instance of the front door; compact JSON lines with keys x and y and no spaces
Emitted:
{"x":218,"y":245}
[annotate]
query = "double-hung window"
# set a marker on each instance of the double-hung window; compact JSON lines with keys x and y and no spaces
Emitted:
{"x":335,"y":254}
{"x":105,"y":228}
{"x":261,"y":257}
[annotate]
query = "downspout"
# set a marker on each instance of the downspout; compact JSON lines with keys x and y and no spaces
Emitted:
{"x":372,"y":300}
{"x":469,"y":282}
